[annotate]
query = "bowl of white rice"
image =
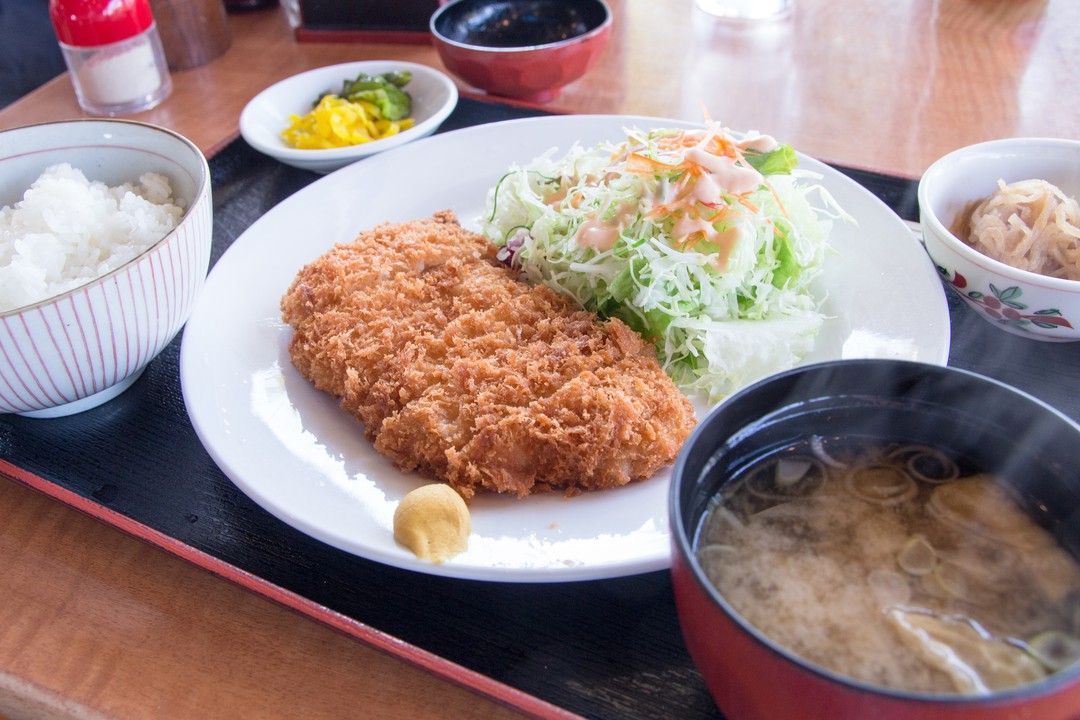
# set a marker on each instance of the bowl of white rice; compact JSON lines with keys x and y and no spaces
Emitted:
{"x":105,"y":233}
{"x":1001,"y":221}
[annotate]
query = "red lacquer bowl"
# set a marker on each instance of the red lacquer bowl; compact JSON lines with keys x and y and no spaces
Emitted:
{"x":523,"y":49}
{"x":753,"y":678}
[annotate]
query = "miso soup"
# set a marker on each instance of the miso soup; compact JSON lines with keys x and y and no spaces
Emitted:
{"x":894,"y":565}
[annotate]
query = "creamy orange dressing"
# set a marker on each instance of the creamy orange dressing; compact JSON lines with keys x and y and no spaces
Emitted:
{"x":709,"y":190}
{"x":597,"y":235}
{"x":559,"y":195}
{"x":601,"y":235}
{"x":689,"y":224}
{"x":761,"y":143}
{"x":723,"y":177}
{"x":725,"y":240}
{"x":724,"y":174}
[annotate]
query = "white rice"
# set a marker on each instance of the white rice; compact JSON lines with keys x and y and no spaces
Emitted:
{"x":67,"y":231}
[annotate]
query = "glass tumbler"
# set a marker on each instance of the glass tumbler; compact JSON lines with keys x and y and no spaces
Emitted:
{"x":746,"y":9}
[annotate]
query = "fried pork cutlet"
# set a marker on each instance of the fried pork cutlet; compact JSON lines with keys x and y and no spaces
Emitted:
{"x":466,"y":374}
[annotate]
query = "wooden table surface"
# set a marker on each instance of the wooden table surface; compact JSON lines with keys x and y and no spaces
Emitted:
{"x":889,"y":85}
{"x":97,"y":624}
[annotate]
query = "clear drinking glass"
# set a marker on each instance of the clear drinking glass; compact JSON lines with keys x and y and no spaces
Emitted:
{"x":746,"y":9}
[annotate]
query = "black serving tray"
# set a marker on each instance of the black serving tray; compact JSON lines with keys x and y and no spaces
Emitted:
{"x":600,"y":649}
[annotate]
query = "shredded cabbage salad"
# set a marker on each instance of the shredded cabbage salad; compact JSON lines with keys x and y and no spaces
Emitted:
{"x":702,"y":242}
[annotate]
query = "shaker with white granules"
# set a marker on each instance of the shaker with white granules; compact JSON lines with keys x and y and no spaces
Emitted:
{"x":114,"y":53}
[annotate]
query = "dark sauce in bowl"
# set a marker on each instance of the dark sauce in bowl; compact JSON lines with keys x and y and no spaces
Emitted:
{"x":519,"y":23}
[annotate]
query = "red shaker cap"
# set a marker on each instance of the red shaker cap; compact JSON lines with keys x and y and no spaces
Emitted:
{"x":88,"y":23}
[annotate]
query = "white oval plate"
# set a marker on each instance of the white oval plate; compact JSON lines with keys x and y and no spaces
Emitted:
{"x":294,"y":452}
{"x":434,"y":97}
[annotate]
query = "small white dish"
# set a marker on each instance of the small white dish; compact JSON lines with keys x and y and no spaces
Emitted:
{"x":1017,"y":301}
{"x":434,"y":97}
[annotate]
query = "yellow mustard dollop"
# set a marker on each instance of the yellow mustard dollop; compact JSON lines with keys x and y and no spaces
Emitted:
{"x":433,"y":522}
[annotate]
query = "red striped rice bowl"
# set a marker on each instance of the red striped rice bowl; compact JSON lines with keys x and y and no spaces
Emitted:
{"x":83,"y":347}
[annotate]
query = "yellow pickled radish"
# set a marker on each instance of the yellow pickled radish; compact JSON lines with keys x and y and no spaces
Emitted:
{"x":335,"y":122}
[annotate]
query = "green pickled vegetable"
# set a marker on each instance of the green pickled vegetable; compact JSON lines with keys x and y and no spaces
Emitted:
{"x":383,"y":91}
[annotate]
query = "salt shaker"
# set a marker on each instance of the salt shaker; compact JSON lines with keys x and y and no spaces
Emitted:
{"x":114,"y":53}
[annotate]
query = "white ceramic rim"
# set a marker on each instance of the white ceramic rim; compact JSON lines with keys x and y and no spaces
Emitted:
{"x":202,"y":186}
{"x":315,"y":157}
{"x":929,"y":217}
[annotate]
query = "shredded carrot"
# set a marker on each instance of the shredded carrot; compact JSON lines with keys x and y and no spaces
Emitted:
{"x":776,"y":196}
{"x":684,"y":204}
{"x":638,"y":163}
{"x":716,"y":144}
{"x":742,"y":200}
{"x":688,"y":242}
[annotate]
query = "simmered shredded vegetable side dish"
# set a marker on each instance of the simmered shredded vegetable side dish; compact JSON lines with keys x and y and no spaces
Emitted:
{"x":1032,"y":225}
{"x":701,"y":241}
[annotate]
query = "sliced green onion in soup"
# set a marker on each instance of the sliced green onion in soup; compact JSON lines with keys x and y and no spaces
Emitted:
{"x":1055,"y":649}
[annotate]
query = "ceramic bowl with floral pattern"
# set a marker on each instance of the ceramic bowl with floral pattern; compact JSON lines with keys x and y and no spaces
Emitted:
{"x":1017,"y":301}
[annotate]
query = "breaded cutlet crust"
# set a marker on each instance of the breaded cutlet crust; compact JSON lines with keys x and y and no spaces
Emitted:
{"x":462,"y":372}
